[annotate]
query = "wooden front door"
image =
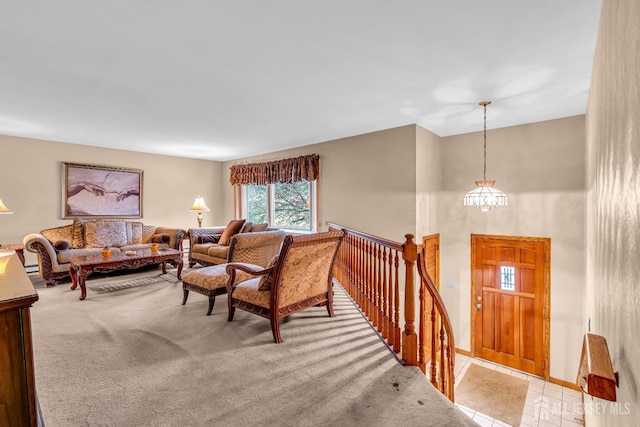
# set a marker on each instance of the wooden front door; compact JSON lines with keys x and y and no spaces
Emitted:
{"x":510,"y":301}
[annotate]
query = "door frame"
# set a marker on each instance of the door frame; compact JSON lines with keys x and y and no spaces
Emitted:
{"x":546,"y":298}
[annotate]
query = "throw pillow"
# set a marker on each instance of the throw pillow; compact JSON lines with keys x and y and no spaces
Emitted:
{"x":77,"y":242}
{"x":62,"y":245}
{"x":100,"y":234}
{"x":267,"y":279}
{"x":208,"y":238}
{"x":247,"y":227}
{"x":259,"y":227}
{"x":234,"y":226}
{"x":134,"y":233}
{"x":147,"y":232}
{"x":58,"y":233}
{"x":160,"y":238}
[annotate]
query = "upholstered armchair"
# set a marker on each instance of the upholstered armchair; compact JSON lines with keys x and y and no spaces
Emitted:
{"x":299,"y":278}
{"x":254,"y":248}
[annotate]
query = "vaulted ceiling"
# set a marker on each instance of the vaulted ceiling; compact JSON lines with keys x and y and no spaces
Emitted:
{"x":221,"y":80}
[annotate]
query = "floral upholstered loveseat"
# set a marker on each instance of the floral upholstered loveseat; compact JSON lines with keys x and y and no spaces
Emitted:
{"x":239,"y":241}
{"x":55,"y":246}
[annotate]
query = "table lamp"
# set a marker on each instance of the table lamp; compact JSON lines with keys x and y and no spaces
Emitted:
{"x":199,"y":206}
{"x":5,"y":210}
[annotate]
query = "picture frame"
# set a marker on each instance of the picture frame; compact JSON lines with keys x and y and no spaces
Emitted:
{"x":93,"y":191}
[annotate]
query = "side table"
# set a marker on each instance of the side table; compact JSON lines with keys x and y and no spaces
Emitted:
{"x":19,"y":248}
{"x":18,"y":395}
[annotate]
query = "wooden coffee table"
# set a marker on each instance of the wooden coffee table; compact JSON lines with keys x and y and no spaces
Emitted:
{"x":82,"y":266}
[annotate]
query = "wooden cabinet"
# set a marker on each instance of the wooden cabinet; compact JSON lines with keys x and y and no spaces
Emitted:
{"x":18,"y":406}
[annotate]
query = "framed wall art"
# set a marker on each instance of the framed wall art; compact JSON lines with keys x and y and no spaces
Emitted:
{"x":90,"y":191}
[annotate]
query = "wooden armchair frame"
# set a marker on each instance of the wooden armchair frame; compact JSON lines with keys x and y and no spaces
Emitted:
{"x":326,"y":247}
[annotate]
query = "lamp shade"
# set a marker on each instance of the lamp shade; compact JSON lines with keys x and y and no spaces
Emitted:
{"x":485,"y":196}
{"x":199,"y":205}
{"x":4,"y":209}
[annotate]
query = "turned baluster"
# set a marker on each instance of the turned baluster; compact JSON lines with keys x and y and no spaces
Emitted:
{"x":379,"y":299}
{"x":351,"y":273}
{"x":396,"y":306}
{"x":443,"y":371}
{"x":385,"y":296}
{"x":391,"y":297}
{"x":365,"y":279}
{"x":360,"y":270}
{"x":450,"y":373}
{"x":365,"y":286}
{"x":434,"y":348}
{"x":422,"y":331}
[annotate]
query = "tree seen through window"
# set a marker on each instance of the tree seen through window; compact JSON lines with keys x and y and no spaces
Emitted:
{"x":281,"y":205}
{"x":256,"y":203}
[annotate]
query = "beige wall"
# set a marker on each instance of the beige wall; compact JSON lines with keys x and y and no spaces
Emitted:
{"x":541,"y":168}
{"x":368,"y":182}
{"x":612,"y":299}
{"x":32,"y":177}
{"x":428,"y":182}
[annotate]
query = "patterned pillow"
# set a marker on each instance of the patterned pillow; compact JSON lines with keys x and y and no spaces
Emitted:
{"x":259,"y":227}
{"x":246,"y":227}
{"x":58,"y":233}
{"x":77,"y":241}
{"x":267,"y":279}
{"x":147,"y":232}
{"x":99,"y":234}
{"x":134,"y":233}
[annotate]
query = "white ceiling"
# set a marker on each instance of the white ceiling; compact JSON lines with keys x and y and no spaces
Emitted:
{"x":222,"y":80}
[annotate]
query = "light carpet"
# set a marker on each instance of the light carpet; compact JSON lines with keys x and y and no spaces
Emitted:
{"x":493,"y":393}
{"x":137,"y":357}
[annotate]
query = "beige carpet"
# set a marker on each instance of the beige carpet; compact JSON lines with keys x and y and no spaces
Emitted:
{"x":134,"y":356}
{"x":493,"y":393}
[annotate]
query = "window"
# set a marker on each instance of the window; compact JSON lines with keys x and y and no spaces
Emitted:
{"x":282,"y":193}
{"x":255,"y":197}
{"x":507,"y":278}
{"x":289,"y":206}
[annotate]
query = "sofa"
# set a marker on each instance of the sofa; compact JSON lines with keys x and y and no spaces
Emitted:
{"x":239,"y":241}
{"x":55,"y":246}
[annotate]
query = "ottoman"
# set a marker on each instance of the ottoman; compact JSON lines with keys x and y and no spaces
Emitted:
{"x":211,"y":281}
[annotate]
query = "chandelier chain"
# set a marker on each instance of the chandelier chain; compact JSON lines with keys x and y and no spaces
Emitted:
{"x":484,"y":174}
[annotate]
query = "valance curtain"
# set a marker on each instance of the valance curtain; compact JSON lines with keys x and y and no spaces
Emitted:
{"x":280,"y":171}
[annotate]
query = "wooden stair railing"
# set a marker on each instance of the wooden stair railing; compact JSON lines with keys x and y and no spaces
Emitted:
{"x":368,"y":268}
{"x":437,"y":351}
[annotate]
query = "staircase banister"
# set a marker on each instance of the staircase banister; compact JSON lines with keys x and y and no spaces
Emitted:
{"x":376,"y":239}
{"x":368,"y":267}
{"x":431,"y":288}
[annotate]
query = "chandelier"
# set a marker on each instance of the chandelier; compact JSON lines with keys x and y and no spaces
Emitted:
{"x":485,"y":196}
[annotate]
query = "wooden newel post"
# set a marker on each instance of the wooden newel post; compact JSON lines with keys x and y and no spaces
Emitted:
{"x":409,"y":336}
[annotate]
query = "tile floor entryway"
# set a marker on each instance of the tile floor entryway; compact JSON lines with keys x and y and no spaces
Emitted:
{"x":557,"y":406}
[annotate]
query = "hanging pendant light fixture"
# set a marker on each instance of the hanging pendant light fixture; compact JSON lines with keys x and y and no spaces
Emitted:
{"x":485,"y":196}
